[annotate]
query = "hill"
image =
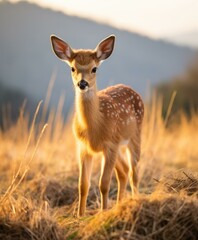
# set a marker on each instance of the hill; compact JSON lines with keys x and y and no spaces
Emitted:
{"x":27,"y":62}
{"x":186,"y":86}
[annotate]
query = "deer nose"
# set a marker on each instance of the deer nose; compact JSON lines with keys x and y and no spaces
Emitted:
{"x":83,"y":84}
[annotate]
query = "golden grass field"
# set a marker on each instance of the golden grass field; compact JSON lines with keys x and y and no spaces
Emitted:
{"x":39,"y":178}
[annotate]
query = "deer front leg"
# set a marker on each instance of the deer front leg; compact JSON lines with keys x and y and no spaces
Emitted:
{"x":106,"y":173}
{"x":84,"y":180}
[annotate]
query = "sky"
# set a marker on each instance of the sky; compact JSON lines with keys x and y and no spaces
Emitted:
{"x":154,"y":18}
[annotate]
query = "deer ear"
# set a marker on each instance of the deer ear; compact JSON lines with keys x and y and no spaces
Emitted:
{"x":105,"y":48}
{"x":61,"y":49}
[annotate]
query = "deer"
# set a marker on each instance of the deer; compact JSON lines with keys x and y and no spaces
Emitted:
{"x":104,"y":121}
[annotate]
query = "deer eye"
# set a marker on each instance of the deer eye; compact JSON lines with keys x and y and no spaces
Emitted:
{"x":72,"y":69}
{"x":94,"y":70}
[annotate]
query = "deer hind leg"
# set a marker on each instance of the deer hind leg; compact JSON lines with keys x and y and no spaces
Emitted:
{"x":121,"y":169}
{"x":84,"y":181}
{"x":106,"y":173}
{"x":134,"y":157}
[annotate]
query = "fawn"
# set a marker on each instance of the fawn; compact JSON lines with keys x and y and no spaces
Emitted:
{"x":103,"y":121}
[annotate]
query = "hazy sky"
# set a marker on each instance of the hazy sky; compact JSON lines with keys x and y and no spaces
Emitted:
{"x":156,"y":18}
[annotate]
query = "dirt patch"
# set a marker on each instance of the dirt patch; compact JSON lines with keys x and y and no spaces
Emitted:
{"x":58,"y":195}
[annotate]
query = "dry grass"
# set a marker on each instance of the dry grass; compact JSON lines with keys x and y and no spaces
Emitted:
{"x":39,"y":175}
{"x":147,"y":217}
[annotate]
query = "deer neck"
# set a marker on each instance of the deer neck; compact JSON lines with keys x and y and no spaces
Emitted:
{"x":87,"y":108}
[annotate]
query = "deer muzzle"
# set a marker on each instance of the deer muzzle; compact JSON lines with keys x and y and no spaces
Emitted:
{"x":83,"y":84}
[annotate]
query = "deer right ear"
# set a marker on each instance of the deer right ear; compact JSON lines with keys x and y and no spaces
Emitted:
{"x":105,"y":48}
{"x":61,"y":49}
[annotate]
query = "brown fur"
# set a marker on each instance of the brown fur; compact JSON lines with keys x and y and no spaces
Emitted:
{"x":83,"y":57}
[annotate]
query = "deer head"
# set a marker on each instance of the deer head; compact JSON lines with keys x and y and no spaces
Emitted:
{"x":83,"y":63}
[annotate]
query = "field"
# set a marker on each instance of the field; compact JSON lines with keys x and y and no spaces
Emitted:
{"x":39,"y":178}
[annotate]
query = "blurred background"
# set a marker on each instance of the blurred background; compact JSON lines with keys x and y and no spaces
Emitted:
{"x":156,"y":48}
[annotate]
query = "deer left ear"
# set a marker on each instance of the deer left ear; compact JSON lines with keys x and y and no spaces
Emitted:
{"x":62,"y":49}
{"x":105,"y":48}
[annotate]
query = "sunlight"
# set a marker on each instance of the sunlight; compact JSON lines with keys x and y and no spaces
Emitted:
{"x":153,"y":18}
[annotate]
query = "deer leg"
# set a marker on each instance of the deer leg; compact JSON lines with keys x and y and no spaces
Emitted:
{"x":134,"y":156}
{"x":84,"y":181}
{"x":121,"y":169}
{"x":106,"y":173}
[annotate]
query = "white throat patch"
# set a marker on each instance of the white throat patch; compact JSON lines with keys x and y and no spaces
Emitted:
{"x":88,"y":92}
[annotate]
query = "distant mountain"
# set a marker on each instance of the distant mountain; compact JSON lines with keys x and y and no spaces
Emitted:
{"x":11,"y":102}
{"x":186,"y":39}
{"x":27,"y":62}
